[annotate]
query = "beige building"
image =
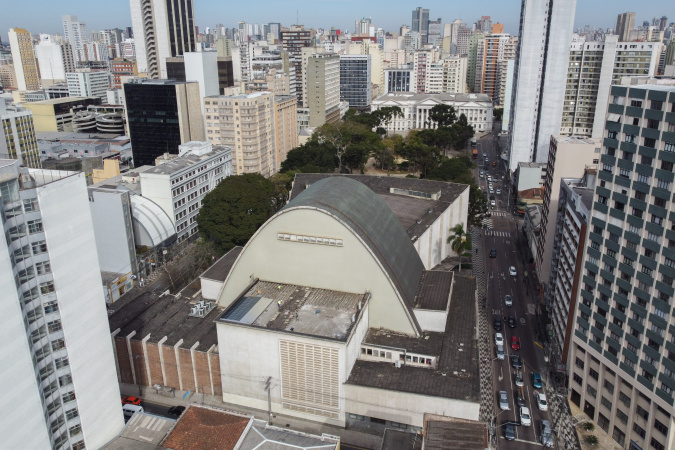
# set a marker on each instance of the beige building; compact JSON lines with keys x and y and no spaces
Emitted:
{"x":8,"y":76}
{"x":245,"y":123}
{"x":57,"y":114}
{"x":18,"y":139}
{"x":323,"y":91}
{"x":25,"y":65}
{"x":568,"y":156}
{"x":285,"y":127}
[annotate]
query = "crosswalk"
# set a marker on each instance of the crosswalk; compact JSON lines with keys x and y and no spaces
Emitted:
{"x":486,"y":223}
{"x":500,"y":214}
{"x":497,"y":233}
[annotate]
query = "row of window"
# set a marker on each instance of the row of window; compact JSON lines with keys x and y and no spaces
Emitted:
{"x":310,"y":239}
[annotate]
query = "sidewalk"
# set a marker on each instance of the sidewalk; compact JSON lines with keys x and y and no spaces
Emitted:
{"x":368,"y":438}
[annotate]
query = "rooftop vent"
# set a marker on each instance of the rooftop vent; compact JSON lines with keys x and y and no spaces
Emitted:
{"x":201,"y":309}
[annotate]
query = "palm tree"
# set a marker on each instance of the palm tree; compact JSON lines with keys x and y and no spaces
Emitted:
{"x":460,"y":242}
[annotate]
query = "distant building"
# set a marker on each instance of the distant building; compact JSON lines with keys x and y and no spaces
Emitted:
{"x":323,"y":88}
{"x":57,"y":114}
{"x":122,"y":68}
{"x":294,"y":40}
{"x":23,"y":57}
{"x":18,"y":140}
{"x":398,"y":80}
{"x":285,"y":128}
{"x":54,"y":60}
{"x":356,"y":86}
{"x":625,"y":22}
{"x":75,"y":33}
{"x":57,"y":351}
{"x":88,"y":83}
{"x":420,"y":23}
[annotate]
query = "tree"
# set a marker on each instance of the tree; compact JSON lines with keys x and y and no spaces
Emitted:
{"x":497,"y":113}
{"x":283,"y":183}
{"x":386,"y":114}
{"x":444,"y":115}
{"x":235,"y":209}
{"x":350,"y":141}
{"x":460,"y":242}
{"x":310,"y":157}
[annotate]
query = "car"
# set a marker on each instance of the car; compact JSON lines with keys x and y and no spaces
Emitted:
{"x":515,"y":343}
{"x":176,"y":410}
{"x":546,"y":434}
{"x":508,"y":300}
{"x":519,"y":379}
{"x":129,"y":400}
{"x":525,"y":417}
{"x":494,"y":163}
{"x":497,"y":324}
{"x":512,"y":271}
{"x":541,"y":402}
{"x":487,"y":159}
{"x":509,"y":432}
{"x":520,"y":400}
{"x":536,"y":380}
{"x":480,"y":175}
{"x":499,"y":191}
{"x":512,"y":322}
{"x":492,"y":197}
{"x":484,"y":155}
{"x":516,"y":362}
{"x":493,"y":253}
{"x":503,"y":401}
{"x":491,"y":191}
{"x":489,"y":178}
{"x":499,"y":339}
{"x":485,"y":194}
{"x":485,"y":167}
{"x":492,"y":203}
{"x":500,"y":352}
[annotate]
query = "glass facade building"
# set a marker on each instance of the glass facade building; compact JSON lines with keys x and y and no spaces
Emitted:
{"x":355,"y":82}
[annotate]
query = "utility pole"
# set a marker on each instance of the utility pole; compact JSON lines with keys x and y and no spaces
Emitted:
{"x":268,"y":388}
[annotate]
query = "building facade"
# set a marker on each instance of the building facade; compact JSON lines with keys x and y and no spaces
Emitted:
{"x":23,"y":56}
{"x":55,"y":59}
{"x":285,"y":127}
{"x":161,"y":115}
{"x":293,"y":41}
{"x":398,"y":80}
{"x":88,"y":83}
{"x":356,"y":86}
{"x":75,"y":33}
{"x":625,"y":22}
{"x":57,"y":352}
{"x":539,"y":78}
{"x":622,"y":359}
{"x":420,"y":23}
{"x":122,"y":68}
{"x":18,"y":136}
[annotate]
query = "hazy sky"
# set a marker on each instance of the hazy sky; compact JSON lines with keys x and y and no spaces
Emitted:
{"x":42,"y":16}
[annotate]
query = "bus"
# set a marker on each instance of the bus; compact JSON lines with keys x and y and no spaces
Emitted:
{"x":473,"y":142}
{"x":475,"y":154}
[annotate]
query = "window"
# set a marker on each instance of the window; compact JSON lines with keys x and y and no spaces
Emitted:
{"x":58,"y":344}
{"x":624,"y":399}
{"x":54,"y":326}
{"x":662,"y":184}
{"x":71,"y":414}
{"x":619,"y":205}
{"x":643,"y":178}
{"x":609,"y":386}
{"x":667,"y":389}
{"x":630,"y":138}
{"x":639,"y":430}
{"x":657,"y":105}
{"x":649,"y":142}
{"x":636,"y":103}
{"x":65,"y":380}
{"x":60,"y":363}
{"x":669,"y":147}
{"x":46,"y":288}
{"x":593,"y":374}
{"x":657,"y":220}
{"x":661,"y":203}
{"x":656,"y":444}
{"x":578,"y":379}
{"x":75,"y":430}
{"x":625,"y":173}
{"x":51,"y":306}
{"x":640,"y":411}
{"x":30,"y":205}
{"x":619,"y":436}
{"x":69,"y":397}
{"x":34,"y":226}
{"x":661,"y":428}
{"x":628,"y":156}
{"x":39,"y":247}
{"x":43,"y":268}
{"x":653,"y":124}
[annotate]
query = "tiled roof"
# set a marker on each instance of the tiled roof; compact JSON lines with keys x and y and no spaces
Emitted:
{"x":206,"y":429}
{"x":434,"y":290}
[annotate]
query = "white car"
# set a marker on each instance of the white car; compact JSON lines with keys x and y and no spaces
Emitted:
{"x":512,"y":271}
{"x":499,"y":339}
{"x":492,"y":191}
{"x":492,"y":203}
{"x":508,"y":301}
{"x":519,"y":379}
{"x":489,"y":178}
{"x":525,"y":417}
{"x":541,"y":402}
{"x":499,"y":191}
{"x":503,"y":401}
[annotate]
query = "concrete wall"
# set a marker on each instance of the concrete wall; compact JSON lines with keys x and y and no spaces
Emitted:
{"x":350,"y":268}
{"x":69,"y":232}
{"x":114,"y":234}
{"x":157,"y":187}
{"x":404,"y":407}
{"x":530,"y":177}
{"x":431,"y":320}
{"x":210,"y":288}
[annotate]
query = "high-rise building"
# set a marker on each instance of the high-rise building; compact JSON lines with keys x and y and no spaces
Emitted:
{"x":122,"y":68}
{"x":253,"y":152}
{"x":89,"y":83}
{"x":491,"y":53}
{"x":625,"y":22}
{"x":484,"y":25}
{"x":539,"y":79}
{"x":55,"y":59}
{"x":470,"y":47}
{"x":274,"y":29}
{"x":362,"y":26}
{"x":285,"y":128}
{"x":294,"y":40}
{"x":23,"y":56}
{"x":161,"y":115}
{"x":356,"y":86}
{"x":435,"y":31}
{"x":593,"y":68}
{"x":420,"y":22}
{"x":18,"y":140}
{"x":421,"y":61}
{"x":75,"y":33}
{"x":454,"y":75}
{"x":162,"y":29}
{"x":398,"y":80}
{"x":57,"y":353}
{"x":622,"y":359}
{"x":323,"y":88}
{"x":8,"y":76}
{"x":463,"y":36}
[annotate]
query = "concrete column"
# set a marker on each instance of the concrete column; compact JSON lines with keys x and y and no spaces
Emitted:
{"x":194,"y":365}
{"x":117,"y":363}
{"x":131,"y":356}
{"x":180,"y":376}
{"x":160,"y":347}
{"x":208,"y":358}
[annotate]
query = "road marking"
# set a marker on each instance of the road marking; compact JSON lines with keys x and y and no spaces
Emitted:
{"x":539,"y":344}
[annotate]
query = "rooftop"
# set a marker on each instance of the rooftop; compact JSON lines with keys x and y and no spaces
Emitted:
{"x":532,"y":165}
{"x":297,"y":309}
{"x":434,"y":290}
{"x":183,"y":162}
{"x":407,"y":96}
{"x":415,"y":211}
{"x":443,"y":433}
{"x":586,"y":196}
{"x":456,"y":348}
{"x":262,"y":436}
{"x":71,"y":137}
{"x":58,"y":101}
{"x":142,"y":432}
{"x":566,"y":139}
{"x":221,"y":268}
{"x":205,"y":428}
{"x":401,"y":440}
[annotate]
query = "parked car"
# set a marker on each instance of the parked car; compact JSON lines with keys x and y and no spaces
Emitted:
{"x":519,"y":379}
{"x":176,"y":410}
{"x":541,"y":402}
{"x":129,"y":400}
{"x":489,"y":178}
{"x":515,"y":343}
{"x":520,"y":400}
{"x":512,"y":271}
{"x":499,"y":339}
{"x":484,"y":155}
{"x":509,"y":432}
{"x":492,"y":191}
{"x":508,"y":300}
{"x":525,"y":417}
{"x":493,"y":253}
{"x":512,"y":322}
{"x":536,"y":380}
{"x":497,"y":323}
{"x":546,"y":434}
{"x":500,"y":352}
{"x":499,"y":191}
{"x":480,"y":174}
{"x":503,"y":401}
{"x":516,"y":362}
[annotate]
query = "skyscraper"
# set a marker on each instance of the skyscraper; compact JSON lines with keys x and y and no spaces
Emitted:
{"x":356,"y":86}
{"x":75,"y":33}
{"x":420,"y":22}
{"x":622,"y":362}
{"x":162,"y":29}
{"x":25,"y":66}
{"x":323,"y":88}
{"x":18,"y":140}
{"x":539,"y":79}
{"x":56,"y":353}
{"x":161,"y":115}
{"x":293,"y":42}
{"x":624,"y":23}
{"x":55,"y":59}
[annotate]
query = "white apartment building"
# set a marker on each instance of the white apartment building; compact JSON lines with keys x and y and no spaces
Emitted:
{"x":446,"y":76}
{"x":539,"y":80}
{"x":57,"y":356}
{"x":54,"y":58}
{"x":88,"y":83}
{"x":75,"y":33}
{"x":178,"y":184}
{"x":415,"y":107}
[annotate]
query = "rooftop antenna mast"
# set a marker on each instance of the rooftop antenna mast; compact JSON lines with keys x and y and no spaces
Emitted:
{"x":297,"y":16}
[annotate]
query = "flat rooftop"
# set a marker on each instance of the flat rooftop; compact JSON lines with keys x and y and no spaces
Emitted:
{"x":263,"y":436}
{"x":183,"y":162}
{"x":456,"y":348}
{"x":451,"y":434}
{"x":297,"y":309}
{"x":416,"y":211}
{"x":433,"y":292}
{"x":142,"y":432}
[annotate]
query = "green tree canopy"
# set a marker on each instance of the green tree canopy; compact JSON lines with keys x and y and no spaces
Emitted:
{"x":444,"y":115}
{"x":310,"y":157}
{"x":235,"y":209}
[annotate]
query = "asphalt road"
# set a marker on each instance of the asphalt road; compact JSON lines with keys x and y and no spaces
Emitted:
{"x":506,"y":238}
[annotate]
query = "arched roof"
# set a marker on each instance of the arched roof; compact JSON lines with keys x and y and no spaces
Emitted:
{"x":154,"y":221}
{"x":361,"y":209}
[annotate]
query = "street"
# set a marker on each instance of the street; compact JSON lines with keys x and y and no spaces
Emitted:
{"x":501,"y":233}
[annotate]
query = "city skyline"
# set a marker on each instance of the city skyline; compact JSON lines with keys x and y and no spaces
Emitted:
{"x":323,"y":14}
